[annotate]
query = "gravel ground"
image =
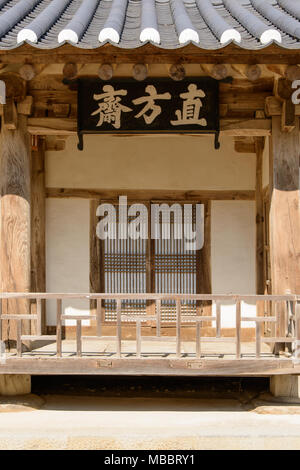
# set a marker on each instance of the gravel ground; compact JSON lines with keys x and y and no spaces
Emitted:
{"x":148,"y":413}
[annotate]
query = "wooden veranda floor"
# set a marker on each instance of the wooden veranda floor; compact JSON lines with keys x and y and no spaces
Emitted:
{"x":154,"y":349}
{"x":156,"y":358}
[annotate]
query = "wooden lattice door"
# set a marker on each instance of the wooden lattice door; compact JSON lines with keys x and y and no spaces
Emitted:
{"x":157,"y":266}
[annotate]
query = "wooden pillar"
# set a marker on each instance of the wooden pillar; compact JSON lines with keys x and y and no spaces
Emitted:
{"x":284,"y":212}
{"x":96,"y":260}
{"x":259,"y":147}
{"x":203,"y":266}
{"x":285,"y":209}
{"x":38,"y":215}
{"x":15,"y":221}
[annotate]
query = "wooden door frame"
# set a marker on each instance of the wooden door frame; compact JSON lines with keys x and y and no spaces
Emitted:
{"x":203,"y":256}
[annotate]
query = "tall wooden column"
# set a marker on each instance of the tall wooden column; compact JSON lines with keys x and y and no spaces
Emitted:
{"x":259,"y":147}
{"x":284,"y":211}
{"x":15,"y":220}
{"x":38,"y":234}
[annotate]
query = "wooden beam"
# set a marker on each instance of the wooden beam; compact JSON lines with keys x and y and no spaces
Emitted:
{"x":149,"y":366}
{"x":27,"y":72}
{"x":52,"y":126}
{"x":259,"y":145}
{"x":153,"y":195}
{"x":273,"y":107}
{"x":10,"y":116}
{"x":292,"y":72}
{"x":288,"y":116}
{"x":70,"y":70}
{"x":251,"y":71}
{"x":38,"y":225}
{"x":61,"y":110}
{"x":245,"y":127}
{"x":177,"y":72}
{"x":15,"y":222}
{"x":140,"y":72}
{"x":219,"y":71}
{"x":284,"y":213}
{"x":150,"y":54}
{"x":105,"y":71}
{"x":25,"y":106}
{"x":229,"y":127}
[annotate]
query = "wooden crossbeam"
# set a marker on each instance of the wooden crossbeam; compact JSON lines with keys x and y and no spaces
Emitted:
{"x":229,"y":127}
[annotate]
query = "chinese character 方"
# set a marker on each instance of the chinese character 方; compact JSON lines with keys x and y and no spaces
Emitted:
{"x":150,"y":105}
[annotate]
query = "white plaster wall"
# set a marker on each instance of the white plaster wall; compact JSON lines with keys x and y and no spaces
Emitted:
{"x":67,"y":253}
{"x":233,"y":254}
{"x":150,"y":162}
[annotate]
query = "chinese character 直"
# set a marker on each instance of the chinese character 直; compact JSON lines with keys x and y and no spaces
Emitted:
{"x":191,"y":107}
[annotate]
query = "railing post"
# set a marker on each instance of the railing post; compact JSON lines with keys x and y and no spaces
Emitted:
{"x":39,"y":317}
{"x":238,"y":329}
{"x":258,"y":339}
{"x":297,"y":331}
{"x":218,"y":319}
{"x":158,"y":317}
{"x":99,"y":317}
{"x":119,"y":328}
{"x":138,"y":337}
{"x":19,"y":338}
{"x":178,"y":328}
{"x":198,"y":339}
{"x":58,"y":327}
{"x":78,"y":338}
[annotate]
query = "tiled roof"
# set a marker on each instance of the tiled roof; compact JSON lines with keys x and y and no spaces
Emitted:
{"x":210,"y":24}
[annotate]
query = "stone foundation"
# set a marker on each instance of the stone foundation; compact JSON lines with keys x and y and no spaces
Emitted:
{"x":285,"y":386}
{"x":15,"y":384}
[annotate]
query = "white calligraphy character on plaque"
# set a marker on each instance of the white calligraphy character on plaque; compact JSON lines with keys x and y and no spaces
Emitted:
{"x":110,"y":109}
{"x":191,"y":108}
{"x":155,"y":110}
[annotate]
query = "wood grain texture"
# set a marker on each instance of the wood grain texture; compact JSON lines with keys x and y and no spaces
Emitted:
{"x":96,"y":259}
{"x":112,"y":195}
{"x":15,"y":222}
{"x":285,"y":210}
{"x":203,"y":264}
{"x":146,"y":366}
{"x":284,"y":214}
{"x":38,"y":235}
{"x":259,"y":202}
{"x":229,"y":127}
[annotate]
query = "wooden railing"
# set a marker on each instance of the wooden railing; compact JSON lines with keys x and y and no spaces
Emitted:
{"x":282,"y":312}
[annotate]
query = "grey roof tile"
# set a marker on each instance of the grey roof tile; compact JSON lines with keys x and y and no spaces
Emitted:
{"x":211,"y":21}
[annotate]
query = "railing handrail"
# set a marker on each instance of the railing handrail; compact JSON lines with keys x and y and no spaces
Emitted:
{"x":148,"y":296}
{"x":289,"y":332}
